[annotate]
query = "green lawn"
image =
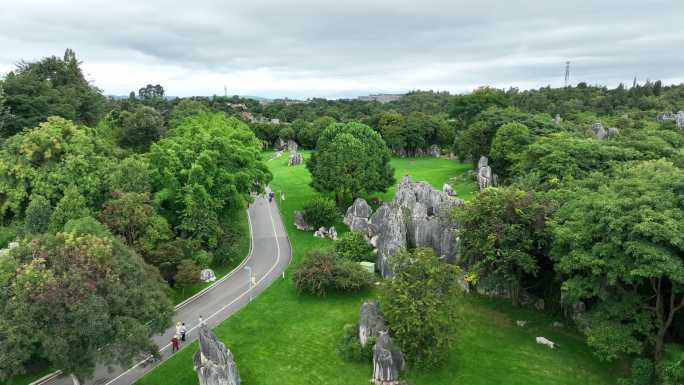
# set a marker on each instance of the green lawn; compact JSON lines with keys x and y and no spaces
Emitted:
{"x":286,"y":338}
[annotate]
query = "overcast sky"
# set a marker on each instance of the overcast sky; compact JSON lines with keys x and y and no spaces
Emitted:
{"x":342,"y":48}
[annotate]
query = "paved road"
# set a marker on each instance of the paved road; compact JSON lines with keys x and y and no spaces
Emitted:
{"x":269,"y":257}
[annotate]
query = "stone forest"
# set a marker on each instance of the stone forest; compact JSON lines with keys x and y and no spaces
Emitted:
{"x":491,"y":236}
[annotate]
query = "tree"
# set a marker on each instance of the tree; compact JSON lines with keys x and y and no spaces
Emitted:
{"x":38,"y":215}
{"x":320,"y":211}
{"x":188,"y":273}
{"x":509,"y":144}
{"x":420,"y":306}
{"x":464,"y":108}
{"x":72,"y":206}
{"x":51,"y":86}
{"x":131,"y":175}
{"x":76,"y":301}
{"x":132,"y":217}
{"x":151,"y":92}
{"x":203,"y":172}
{"x":392,"y":127}
{"x":5,"y":113}
{"x":139,"y":129}
{"x":504,"y":237}
{"x":186,"y":108}
{"x":619,"y":244}
{"x":350,"y":160}
{"x":50,"y":158}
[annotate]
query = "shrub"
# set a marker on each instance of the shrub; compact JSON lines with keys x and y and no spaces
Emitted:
{"x":353,"y":246}
{"x":38,"y":215}
{"x":320,"y":212}
{"x":349,"y":346}
{"x":643,"y":373}
{"x":321,"y":272}
{"x":202,"y":258}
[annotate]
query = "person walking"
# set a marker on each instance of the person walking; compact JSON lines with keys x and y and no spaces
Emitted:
{"x":201,"y":321}
{"x":175,"y":346}
{"x":178,"y":328}
{"x":183,"y":331}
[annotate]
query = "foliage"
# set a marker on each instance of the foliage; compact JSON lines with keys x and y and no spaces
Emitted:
{"x":77,"y":300}
{"x":185,"y":109}
{"x":38,"y":215}
{"x":72,"y":206}
{"x":321,"y":212}
{"x":350,"y":160}
{"x":168,"y":255}
{"x":204,"y":171}
{"x":504,"y":237}
{"x":642,"y":373}
{"x":322,"y":272}
{"x":509,"y":144}
{"x":132,"y":174}
{"x":52,"y":86}
{"x":354,"y":247}
{"x":349,"y":346}
{"x":47,"y":160}
{"x":420,"y":306}
{"x":139,"y":129}
{"x":188,"y":273}
{"x":619,"y":243}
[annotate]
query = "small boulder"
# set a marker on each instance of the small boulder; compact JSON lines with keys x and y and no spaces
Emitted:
{"x":447,"y":189}
{"x":300,"y":222}
{"x":435,"y":151}
{"x":371,"y":322}
{"x":295,"y":159}
{"x":292,"y":146}
{"x":207,"y":275}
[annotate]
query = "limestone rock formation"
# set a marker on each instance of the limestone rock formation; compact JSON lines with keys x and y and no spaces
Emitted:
{"x":357,"y":216}
{"x":598,"y":130}
{"x":485,"y":176}
{"x":214,"y":363}
{"x":295,"y":159}
{"x":417,"y":217}
{"x":324,"y":232}
{"x":435,"y":151}
{"x":557,"y":119}
{"x":680,"y":120}
{"x":388,"y":361}
{"x":448,"y":190}
{"x":612,"y":132}
{"x":299,"y":221}
{"x":207,"y":275}
{"x":279,"y":144}
{"x":371,"y":322}
{"x":292,"y":146}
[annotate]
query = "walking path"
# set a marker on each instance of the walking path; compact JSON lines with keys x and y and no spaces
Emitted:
{"x":268,"y":259}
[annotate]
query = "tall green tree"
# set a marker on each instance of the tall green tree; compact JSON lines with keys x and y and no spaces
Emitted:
{"x":204,"y":171}
{"x":620,"y":244}
{"x":509,"y":144}
{"x":392,"y":127}
{"x":139,"y":129}
{"x":38,"y":215}
{"x":51,"y":86}
{"x":72,"y":206}
{"x":504,"y":238}
{"x":350,"y":160}
{"x":420,"y":304}
{"x":76,"y":301}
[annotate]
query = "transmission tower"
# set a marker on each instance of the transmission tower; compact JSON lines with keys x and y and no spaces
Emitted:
{"x":567,"y":73}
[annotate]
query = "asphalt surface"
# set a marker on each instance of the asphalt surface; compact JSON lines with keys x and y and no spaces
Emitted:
{"x":269,"y":257}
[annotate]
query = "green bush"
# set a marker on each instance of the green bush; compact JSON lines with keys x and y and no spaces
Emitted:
{"x":7,"y":235}
{"x":349,"y":347}
{"x":202,"y":258}
{"x":38,"y":214}
{"x":320,"y":212}
{"x":321,"y":272}
{"x":354,"y":247}
{"x":643,"y":373}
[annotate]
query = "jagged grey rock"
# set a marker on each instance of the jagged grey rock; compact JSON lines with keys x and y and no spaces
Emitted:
{"x":435,"y":151}
{"x":485,"y":176}
{"x":680,"y":120}
{"x":371,"y":322}
{"x":207,"y":275}
{"x":448,"y":190}
{"x":612,"y":132}
{"x":359,"y":209}
{"x":387,"y":225}
{"x":598,"y":130}
{"x":295,"y":159}
{"x":324,"y":232}
{"x":279,"y":144}
{"x":299,"y":221}
{"x":557,"y":119}
{"x":214,"y":363}
{"x":292,"y":146}
{"x":388,"y":361}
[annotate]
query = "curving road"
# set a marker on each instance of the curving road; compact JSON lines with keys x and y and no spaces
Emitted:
{"x":269,"y":256}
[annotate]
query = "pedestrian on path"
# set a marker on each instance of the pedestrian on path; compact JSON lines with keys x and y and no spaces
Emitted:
{"x":178,"y":327}
{"x":174,"y":343}
{"x":201,"y":321}
{"x":183,"y":331}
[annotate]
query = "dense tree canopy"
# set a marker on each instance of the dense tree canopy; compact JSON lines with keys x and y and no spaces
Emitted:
{"x":77,"y":300}
{"x":350,"y":160}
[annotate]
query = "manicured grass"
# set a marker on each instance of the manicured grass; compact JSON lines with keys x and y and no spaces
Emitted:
{"x":180,"y":294}
{"x":286,"y":338}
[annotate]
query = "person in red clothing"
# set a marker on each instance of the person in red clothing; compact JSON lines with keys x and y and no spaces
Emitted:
{"x":174,"y":343}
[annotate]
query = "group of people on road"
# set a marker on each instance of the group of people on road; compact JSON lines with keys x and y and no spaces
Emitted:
{"x":181,"y":331}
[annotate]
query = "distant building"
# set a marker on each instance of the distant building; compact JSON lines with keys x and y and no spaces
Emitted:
{"x":275,"y":121}
{"x":382,"y":98}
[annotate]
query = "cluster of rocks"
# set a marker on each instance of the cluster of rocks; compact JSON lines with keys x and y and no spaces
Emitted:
{"x":295,"y":157}
{"x":300,"y":222}
{"x":279,"y":144}
{"x":417,"y":217}
{"x":388,"y":360}
{"x":601,"y":133}
{"x":485,"y":176}
{"x":433,"y":151}
{"x":326,"y":233}
{"x":214,"y":363}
